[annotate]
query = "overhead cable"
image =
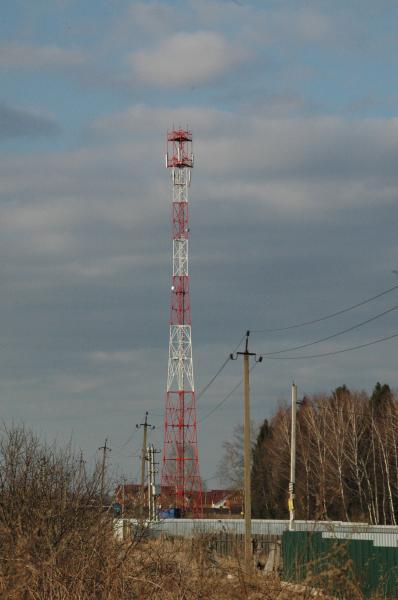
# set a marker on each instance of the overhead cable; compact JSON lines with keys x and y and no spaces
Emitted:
{"x":219,"y":405}
{"x":126,"y":442}
{"x":377,"y":341}
{"x":212,"y":380}
{"x":333,"y":335}
{"x":224,"y":400}
{"x":329,"y":316}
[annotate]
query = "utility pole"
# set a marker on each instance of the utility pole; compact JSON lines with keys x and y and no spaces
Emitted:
{"x":82,"y":469}
{"x":152,"y":471}
{"x":123,"y":496}
{"x":145,"y":426}
{"x":104,"y":449}
{"x":292,"y":483}
{"x":247,"y":449}
{"x":150,"y":479}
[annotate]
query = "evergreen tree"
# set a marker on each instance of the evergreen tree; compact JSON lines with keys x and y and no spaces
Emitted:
{"x":261,"y":495}
{"x":381,"y":398}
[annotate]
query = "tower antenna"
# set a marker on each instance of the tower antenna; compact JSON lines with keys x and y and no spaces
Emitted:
{"x":180,"y":461}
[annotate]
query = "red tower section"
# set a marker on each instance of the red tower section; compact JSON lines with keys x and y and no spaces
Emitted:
{"x":180,"y":465}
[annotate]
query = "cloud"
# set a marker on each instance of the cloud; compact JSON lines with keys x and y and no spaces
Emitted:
{"x":15,"y":123}
{"x":186,"y":59}
{"x":294,"y":167}
{"x":142,"y":121}
{"x":259,"y":150}
{"x":213,"y":13}
{"x":153,"y":18}
{"x":145,"y":22}
{"x":306,"y":25}
{"x":300,"y":211}
{"x":17,"y":56}
{"x":267,"y":23}
{"x":128,"y":357}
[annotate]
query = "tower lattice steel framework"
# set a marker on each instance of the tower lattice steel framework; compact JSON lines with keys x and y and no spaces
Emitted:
{"x":180,"y":465}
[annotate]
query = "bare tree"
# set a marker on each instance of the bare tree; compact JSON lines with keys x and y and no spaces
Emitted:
{"x":230,"y":467}
{"x":51,"y":522}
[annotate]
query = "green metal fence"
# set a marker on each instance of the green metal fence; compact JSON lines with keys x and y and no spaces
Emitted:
{"x":334,"y":563}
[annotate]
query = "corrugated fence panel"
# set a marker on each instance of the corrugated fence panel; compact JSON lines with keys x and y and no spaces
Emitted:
{"x":380,"y":535}
{"x":383,"y":535}
{"x":374,"y":568}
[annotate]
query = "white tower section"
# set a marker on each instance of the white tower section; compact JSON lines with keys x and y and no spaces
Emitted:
{"x":180,"y":366}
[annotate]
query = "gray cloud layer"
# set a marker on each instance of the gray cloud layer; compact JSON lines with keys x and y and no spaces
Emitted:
{"x":293,"y":211}
{"x":16,"y":123}
{"x":289,"y":219}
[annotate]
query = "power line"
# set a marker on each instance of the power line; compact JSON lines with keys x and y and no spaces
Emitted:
{"x":133,"y":455}
{"x":131,"y":437}
{"x":215,"y":476}
{"x":333,"y":335}
{"x":126,"y":442}
{"x":212,"y":380}
{"x":206,"y":387}
{"x":330,"y":316}
{"x":219,"y":405}
{"x":377,"y":341}
{"x":227,"y":397}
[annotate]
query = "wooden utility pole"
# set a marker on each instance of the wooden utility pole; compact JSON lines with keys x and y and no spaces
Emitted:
{"x":247,"y":449}
{"x":104,"y":449}
{"x":82,"y":469}
{"x":292,"y":482}
{"x":145,"y":426}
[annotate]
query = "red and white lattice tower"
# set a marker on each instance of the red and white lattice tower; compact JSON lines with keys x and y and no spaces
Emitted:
{"x":180,"y":466}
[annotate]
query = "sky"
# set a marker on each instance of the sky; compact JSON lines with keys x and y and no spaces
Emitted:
{"x":293,"y":207}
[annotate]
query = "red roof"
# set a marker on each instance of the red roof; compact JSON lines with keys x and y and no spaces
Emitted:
{"x":211,"y":498}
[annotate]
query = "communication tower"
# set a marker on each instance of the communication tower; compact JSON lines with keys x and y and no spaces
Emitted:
{"x":180,"y":464}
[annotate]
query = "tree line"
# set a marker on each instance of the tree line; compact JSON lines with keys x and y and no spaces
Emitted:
{"x":347,"y":458}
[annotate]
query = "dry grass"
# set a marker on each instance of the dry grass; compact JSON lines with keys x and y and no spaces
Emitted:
{"x":141,"y":569}
{"x":57,"y":543}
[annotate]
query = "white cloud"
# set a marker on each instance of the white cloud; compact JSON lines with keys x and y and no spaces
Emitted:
{"x":76,"y":384}
{"x":186,"y":59}
{"x":285,"y":163}
{"x":140,"y":119}
{"x":16,"y":55}
{"x":119,"y":356}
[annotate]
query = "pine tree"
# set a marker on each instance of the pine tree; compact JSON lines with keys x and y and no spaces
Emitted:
{"x":261,"y":495}
{"x":380,"y":399}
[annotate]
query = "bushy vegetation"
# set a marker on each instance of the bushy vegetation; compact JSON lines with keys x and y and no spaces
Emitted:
{"x":57,"y":542}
